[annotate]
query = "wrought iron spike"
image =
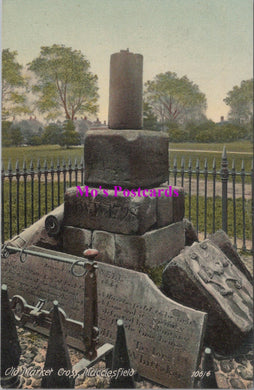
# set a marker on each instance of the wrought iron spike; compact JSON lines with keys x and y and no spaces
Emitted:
{"x":69,"y":162}
{"x":57,"y":355}
{"x":233,"y":164}
{"x":11,"y":351}
{"x":208,"y":381}
{"x":17,"y":165}
{"x":9,"y":165}
{"x":190,"y":164}
{"x":24,"y":165}
{"x":51,"y":165}
{"x":64,"y":164}
{"x":45,"y":164}
{"x":175,"y":162}
{"x":205,"y":164}
{"x":31,"y":165}
{"x":81,"y":162}
{"x":58,"y":163}
{"x":197,"y":163}
{"x":182,"y":162}
{"x":76,"y":163}
{"x":121,"y":360}
{"x":214,"y":163}
{"x":38,"y":164}
{"x":224,"y":153}
{"x":242,"y":167}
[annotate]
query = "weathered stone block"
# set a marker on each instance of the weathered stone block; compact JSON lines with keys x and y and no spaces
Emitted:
{"x":170,"y":205}
{"x":150,"y":249}
{"x":163,"y":244}
{"x":118,"y":214}
{"x":76,"y":240}
{"x":130,"y":251}
{"x":222,"y":241}
{"x":104,"y":242}
{"x":190,"y":233}
{"x":204,"y":278}
{"x":129,"y":158}
{"x":164,"y":210}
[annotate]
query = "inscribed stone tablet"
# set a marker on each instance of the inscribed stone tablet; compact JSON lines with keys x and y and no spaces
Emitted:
{"x":163,"y":337}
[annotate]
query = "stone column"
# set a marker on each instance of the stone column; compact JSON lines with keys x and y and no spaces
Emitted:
{"x":125,"y":91}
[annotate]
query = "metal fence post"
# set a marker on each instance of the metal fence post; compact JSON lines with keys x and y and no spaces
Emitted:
{"x":224,"y":179}
{"x":209,"y":379}
{"x":243,"y":204}
{"x":57,"y":362}
{"x":175,"y":170}
{"x":25,"y":174}
{"x":206,"y":177}
{"x":252,"y":190}
{"x":10,"y":351}
{"x":190,"y":174}
{"x":10,"y":175}
{"x":121,"y":361}
{"x":2,"y":199}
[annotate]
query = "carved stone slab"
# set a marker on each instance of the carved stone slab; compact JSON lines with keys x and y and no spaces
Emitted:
{"x":164,"y":338}
{"x":204,"y":278}
{"x":129,"y":158}
{"x":222,"y":241}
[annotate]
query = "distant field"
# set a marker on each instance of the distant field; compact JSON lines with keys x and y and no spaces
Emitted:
{"x":53,"y":152}
{"x":243,"y":151}
{"x":236,"y":146}
{"x":43,"y":152}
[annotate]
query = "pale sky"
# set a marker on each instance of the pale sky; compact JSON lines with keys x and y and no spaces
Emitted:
{"x":210,"y":41}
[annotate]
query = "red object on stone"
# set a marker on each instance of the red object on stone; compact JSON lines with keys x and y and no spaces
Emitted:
{"x":90,"y":253}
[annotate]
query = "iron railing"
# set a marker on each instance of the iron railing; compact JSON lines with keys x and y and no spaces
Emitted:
{"x":27,"y":195}
{"x":215,"y":196}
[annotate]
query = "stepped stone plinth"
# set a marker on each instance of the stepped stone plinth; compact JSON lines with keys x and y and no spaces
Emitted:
{"x":130,"y":230}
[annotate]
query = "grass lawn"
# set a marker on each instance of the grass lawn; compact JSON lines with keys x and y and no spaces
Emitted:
{"x":42,"y":152}
{"x":236,"y":146}
{"x":53,"y":152}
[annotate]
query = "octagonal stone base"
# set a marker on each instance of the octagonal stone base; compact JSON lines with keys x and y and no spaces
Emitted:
{"x":126,"y":158}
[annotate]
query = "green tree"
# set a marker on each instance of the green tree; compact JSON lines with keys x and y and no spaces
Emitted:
{"x":240,"y":101}
{"x":52,"y":134}
{"x":150,"y":121}
{"x":16,"y":136}
{"x":69,"y":136}
{"x":6,"y":130}
{"x":175,"y":99}
{"x":11,"y":136}
{"x":13,"y":86}
{"x":64,"y":82}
